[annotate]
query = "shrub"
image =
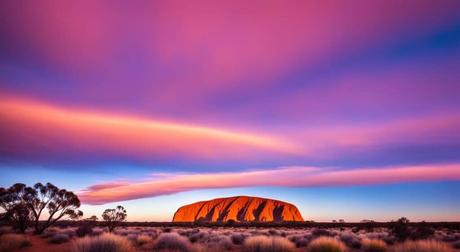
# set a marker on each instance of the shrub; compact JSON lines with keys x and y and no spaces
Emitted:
{"x":197,"y":236}
{"x":5,"y":230}
{"x":400,"y":229}
{"x":71,"y":232}
{"x":302,"y":242}
{"x":238,"y":239}
{"x":270,"y":244}
{"x":59,"y":238}
{"x":143,"y":239}
{"x":350,"y":240}
{"x":456,"y":245}
{"x":422,"y":231}
{"x":12,"y":242}
{"x":172,"y":242}
{"x":321,"y":232}
{"x":374,"y":246}
{"x":326,"y":244}
{"x":103,"y":243}
{"x":97,"y":231}
{"x":422,"y":246}
{"x":84,"y":230}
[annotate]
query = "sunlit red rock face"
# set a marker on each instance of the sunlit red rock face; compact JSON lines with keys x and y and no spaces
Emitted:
{"x":239,"y":208}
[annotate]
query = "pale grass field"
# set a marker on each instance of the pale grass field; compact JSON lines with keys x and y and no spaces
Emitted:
{"x":131,"y":239}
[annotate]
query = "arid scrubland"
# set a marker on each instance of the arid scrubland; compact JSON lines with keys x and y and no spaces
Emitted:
{"x":245,"y":239}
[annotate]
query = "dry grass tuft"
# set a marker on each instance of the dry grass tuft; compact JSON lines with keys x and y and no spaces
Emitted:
{"x":172,"y":242}
{"x":13,"y":242}
{"x":104,"y":243}
{"x":422,"y":246}
{"x":143,"y":239}
{"x":238,"y":238}
{"x":269,"y":244}
{"x":374,"y":245}
{"x":326,"y":244}
{"x":59,"y":238}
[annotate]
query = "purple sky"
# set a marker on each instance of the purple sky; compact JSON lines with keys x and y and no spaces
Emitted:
{"x":154,"y":100}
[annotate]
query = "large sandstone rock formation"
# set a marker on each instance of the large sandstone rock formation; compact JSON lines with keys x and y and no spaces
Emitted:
{"x":239,"y":208}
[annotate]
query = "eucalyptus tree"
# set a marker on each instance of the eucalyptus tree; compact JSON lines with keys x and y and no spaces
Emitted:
{"x":113,"y":217}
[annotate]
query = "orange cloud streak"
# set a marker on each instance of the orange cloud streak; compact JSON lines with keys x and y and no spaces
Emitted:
{"x":286,"y":176}
{"x":128,"y":135}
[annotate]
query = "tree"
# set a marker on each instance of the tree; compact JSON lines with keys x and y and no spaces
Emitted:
{"x":14,"y":201}
{"x":113,"y":217}
{"x":92,"y":219}
{"x":400,"y":229}
{"x":58,"y":202}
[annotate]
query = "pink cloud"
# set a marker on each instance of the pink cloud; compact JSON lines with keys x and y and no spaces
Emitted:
{"x":285,"y":176}
{"x":34,"y":128}
{"x":46,"y":129}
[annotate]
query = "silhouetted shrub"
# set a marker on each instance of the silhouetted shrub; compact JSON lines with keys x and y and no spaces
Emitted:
{"x":238,"y":239}
{"x":166,"y":230}
{"x":422,"y":231}
{"x":84,"y":230}
{"x":230,"y":223}
{"x":400,"y":229}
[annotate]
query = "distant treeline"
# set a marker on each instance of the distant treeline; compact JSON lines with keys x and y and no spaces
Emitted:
{"x":304,"y":224}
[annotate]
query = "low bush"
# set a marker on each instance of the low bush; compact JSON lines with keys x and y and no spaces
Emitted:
{"x":302,"y":242}
{"x":84,"y":230}
{"x":103,"y":243}
{"x":269,"y":244}
{"x":197,"y":236}
{"x":238,"y":239}
{"x":12,"y":242}
{"x":143,"y":239}
{"x":59,"y":238}
{"x":326,"y":244}
{"x":456,"y":245}
{"x":422,"y":246}
{"x":172,"y":242}
{"x":321,"y":232}
{"x":351,"y":240}
{"x":5,"y":230}
{"x":374,"y":246}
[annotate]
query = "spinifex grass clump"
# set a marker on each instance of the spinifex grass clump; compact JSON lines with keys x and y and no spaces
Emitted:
{"x":103,"y":243}
{"x":326,"y":244}
{"x":270,"y":244}
{"x":13,"y":242}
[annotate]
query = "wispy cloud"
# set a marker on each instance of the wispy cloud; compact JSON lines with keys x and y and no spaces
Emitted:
{"x":285,"y":176}
{"x":53,"y":128}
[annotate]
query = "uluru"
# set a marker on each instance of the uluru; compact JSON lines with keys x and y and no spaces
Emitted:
{"x":239,"y":209}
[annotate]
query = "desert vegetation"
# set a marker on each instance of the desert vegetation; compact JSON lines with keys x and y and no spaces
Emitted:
{"x":95,"y":236}
{"x":24,"y":206}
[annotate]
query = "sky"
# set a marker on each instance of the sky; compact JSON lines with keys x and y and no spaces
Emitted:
{"x":347,"y":109}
